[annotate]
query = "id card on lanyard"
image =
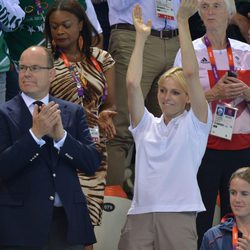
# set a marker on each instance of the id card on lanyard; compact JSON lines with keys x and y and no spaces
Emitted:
{"x":223,"y":122}
{"x":164,"y":9}
{"x":225,"y":115}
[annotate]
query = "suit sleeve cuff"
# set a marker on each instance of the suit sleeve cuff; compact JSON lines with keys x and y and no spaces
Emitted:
{"x":60,"y":143}
{"x":40,"y":142}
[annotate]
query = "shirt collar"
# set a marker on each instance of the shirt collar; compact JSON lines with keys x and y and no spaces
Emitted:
{"x":29,"y":100}
{"x":173,"y":120}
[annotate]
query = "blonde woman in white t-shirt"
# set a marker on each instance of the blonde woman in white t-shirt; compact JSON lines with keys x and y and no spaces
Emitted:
{"x":169,"y":149}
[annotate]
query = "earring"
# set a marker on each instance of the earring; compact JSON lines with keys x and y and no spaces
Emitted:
{"x":80,"y":42}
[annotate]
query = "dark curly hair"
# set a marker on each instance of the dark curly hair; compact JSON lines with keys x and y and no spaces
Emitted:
{"x":87,"y":32}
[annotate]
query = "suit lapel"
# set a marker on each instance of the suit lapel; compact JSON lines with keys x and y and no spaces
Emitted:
{"x":20,"y":114}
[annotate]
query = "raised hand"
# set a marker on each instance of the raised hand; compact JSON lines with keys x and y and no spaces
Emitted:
{"x":140,"y":26}
{"x":187,"y":9}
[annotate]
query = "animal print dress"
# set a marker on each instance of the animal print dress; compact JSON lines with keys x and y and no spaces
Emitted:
{"x":64,"y":87}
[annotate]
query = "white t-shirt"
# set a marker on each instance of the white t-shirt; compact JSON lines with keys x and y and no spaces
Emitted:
{"x":167,"y":161}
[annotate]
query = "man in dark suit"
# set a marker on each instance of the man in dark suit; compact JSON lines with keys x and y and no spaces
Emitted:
{"x":42,"y":146}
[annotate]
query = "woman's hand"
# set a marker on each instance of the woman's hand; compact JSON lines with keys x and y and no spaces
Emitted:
{"x":106,"y":124}
{"x":229,"y":88}
{"x":91,"y":114}
{"x":187,"y":9}
{"x":243,"y":243}
{"x":140,"y":26}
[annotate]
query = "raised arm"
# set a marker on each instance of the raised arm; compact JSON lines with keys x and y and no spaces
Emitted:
{"x":134,"y":73}
{"x":189,"y":61}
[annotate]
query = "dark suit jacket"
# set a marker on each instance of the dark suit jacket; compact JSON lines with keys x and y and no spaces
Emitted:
{"x":30,"y":175}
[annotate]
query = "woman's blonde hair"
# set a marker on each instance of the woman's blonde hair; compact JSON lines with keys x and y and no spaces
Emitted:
{"x":177,"y":75}
{"x":242,"y":173}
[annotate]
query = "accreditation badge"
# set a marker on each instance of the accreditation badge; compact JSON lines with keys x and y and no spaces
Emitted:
{"x":94,"y":131}
{"x":224,"y":120}
{"x":164,"y":9}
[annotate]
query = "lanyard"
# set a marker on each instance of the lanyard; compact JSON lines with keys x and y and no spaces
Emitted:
{"x":212,"y":59}
{"x":78,"y":80}
{"x":75,"y":75}
{"x":234,"y":236}
{"x":98,"y":68}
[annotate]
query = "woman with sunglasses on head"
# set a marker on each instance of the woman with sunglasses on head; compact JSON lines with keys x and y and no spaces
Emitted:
{"x":234,"y":230}
{"x":84,"y":75}
{"x":169,"y":149}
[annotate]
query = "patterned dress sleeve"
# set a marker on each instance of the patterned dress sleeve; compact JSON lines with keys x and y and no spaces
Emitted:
{"x":103,"y":57}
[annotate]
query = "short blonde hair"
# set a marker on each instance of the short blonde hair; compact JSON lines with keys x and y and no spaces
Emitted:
{"x":177,"y":75}
{"x":242,"y":173}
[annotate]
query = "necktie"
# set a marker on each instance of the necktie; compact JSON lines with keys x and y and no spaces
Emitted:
{"x":39,"y":104}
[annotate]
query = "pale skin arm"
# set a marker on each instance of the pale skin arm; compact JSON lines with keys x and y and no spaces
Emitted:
{"x":191,"y":70}
{"x":134,"y":73}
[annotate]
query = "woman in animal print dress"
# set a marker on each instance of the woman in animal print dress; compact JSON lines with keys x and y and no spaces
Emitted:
{"x":84,"y":75}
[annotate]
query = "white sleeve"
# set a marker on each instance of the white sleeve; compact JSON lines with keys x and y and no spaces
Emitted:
{"x":90,"y":11}
{"x":11,"y":15}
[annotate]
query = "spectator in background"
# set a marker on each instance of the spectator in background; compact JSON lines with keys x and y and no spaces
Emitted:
{"x":31,"y":33}
{"x":240,"y":22}
{"x":239,"y":27}
{"x":11,"y":16}
{"x":217,"y":55}
{"x":102,"y":12}
{"x":84,"y":75}
{"x":234,"y":230}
